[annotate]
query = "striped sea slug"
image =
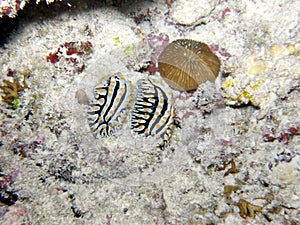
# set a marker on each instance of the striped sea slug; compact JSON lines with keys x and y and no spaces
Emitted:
{"x":110,"y":105}
{"x":152,"y":111}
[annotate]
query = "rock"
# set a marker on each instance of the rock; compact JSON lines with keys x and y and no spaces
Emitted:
{"x":192,"y":12}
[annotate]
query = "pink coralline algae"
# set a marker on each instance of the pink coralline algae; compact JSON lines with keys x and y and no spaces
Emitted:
{"x":182,"y":112}
{"x":71,"y":55}
{"x":271,"y":134}
{"x":157,"y":42}
{"x":16,"y":215}
{"x":220,"y":52}
{"x":225,"y":12}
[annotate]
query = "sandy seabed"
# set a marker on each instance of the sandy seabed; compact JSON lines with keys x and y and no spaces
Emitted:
{"x":234,"y":154}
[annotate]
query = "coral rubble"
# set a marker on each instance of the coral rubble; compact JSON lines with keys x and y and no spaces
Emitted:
{"x":11,"y":90}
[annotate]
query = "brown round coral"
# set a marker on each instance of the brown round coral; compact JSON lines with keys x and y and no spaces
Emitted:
{"x":184,"y":64}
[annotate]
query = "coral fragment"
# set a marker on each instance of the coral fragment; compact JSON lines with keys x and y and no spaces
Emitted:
{"x":247,"y":209}
{"x":11,"y":89}
{"x":233,"y":169}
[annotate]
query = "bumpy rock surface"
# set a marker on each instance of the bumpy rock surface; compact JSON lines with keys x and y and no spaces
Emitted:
{"x":234,"y":154}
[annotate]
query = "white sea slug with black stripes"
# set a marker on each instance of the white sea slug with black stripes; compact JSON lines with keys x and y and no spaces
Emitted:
{"x":110,"y":105}
{"x":151,"y":111}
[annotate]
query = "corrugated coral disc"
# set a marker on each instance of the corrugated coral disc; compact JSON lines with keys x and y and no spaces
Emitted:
{"x":184,"y":64}
{"x":110,"y":105}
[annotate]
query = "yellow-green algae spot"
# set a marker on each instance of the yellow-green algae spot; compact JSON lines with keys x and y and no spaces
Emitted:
{"x":228,"y":83}
{"x":255,"y":84}
{"x":117,"y":41}
{"x":246,"y":95}
{"x":128,"y":49}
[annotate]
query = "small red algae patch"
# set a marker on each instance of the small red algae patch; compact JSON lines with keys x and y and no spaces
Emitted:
{"x":221,"y":52}
{"x":71,"y":55}
{"x":284,"y":136}
{"x":225,"y":12}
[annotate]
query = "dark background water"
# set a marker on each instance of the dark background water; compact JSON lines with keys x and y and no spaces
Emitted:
{"x":34,"y":12}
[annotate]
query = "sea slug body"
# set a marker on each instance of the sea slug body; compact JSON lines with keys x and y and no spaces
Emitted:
{"x":110,"y":105}
{"x":153,"y":112}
